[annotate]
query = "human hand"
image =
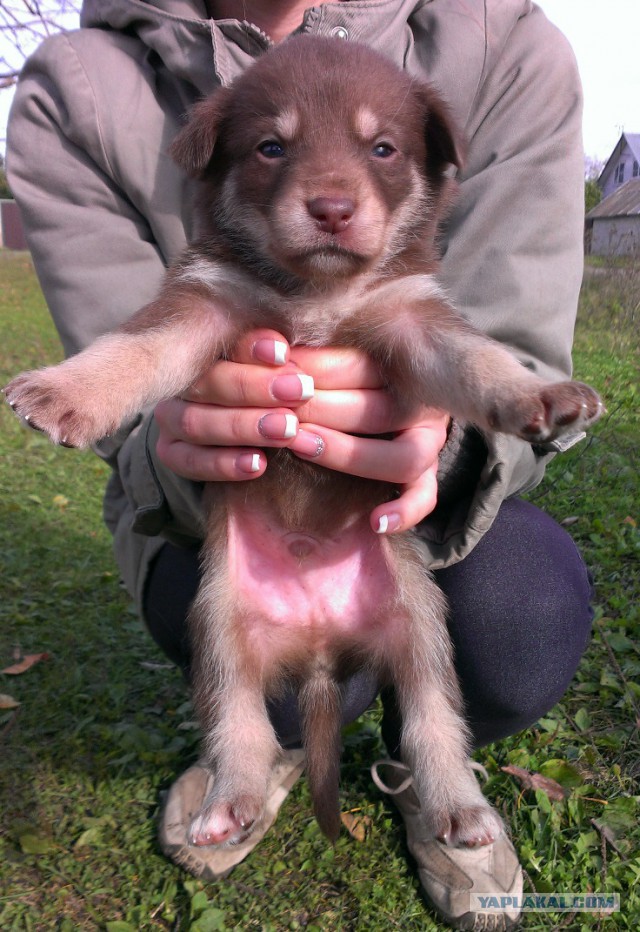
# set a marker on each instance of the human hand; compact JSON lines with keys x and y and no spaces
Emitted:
{"x":260,"y":398}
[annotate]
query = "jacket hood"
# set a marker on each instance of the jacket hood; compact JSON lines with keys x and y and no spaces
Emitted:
{"x":422,"y":36}
{"x":175,"y":29}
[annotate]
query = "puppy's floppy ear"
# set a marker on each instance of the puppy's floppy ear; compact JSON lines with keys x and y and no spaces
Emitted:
{"x":193,"y":147}
{"x":444,"y":140}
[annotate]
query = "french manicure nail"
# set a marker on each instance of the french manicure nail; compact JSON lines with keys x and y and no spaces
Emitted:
{"x":278,"y":426}
{"x":248,"y":462}
{"x":271,"y":351}
{"x":294,"y":387}
{"x":388,"y":523}
{"x":308,"y":444}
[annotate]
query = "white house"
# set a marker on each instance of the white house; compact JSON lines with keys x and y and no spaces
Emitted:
{"x":622,"y":165}
{"x":613,"y":227}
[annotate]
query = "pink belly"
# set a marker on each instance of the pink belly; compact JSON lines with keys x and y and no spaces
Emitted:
{"x":317,"y":589}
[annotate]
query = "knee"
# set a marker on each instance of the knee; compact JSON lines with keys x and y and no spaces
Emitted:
{"x":533,"y":667}
{"x":520,"y":620}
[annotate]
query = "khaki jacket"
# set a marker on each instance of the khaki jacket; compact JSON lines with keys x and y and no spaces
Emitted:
{"x":106,"y":210}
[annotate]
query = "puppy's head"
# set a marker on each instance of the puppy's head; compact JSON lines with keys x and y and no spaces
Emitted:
{"x":321,"y":161}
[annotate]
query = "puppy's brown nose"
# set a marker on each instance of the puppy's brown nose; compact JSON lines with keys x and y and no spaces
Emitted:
{"x":332,"y":214}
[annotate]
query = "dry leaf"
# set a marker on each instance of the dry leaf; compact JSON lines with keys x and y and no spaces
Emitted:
{"x":570,"y":521}
{"x":25,"y":664}
{"x":535,"y":781}
{"x":356,"y":825}
{"x":630,"y":521}
{"x":8,"y":702}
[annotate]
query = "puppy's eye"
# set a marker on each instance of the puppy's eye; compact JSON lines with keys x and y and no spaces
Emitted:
{"x":383,"y":150}
{"x":271,"y":149}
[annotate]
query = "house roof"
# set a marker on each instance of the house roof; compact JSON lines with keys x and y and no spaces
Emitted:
{"x":633,"y":141}
{"x":624,"y":202}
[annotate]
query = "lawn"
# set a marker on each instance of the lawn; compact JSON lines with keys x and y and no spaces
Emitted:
{"x":104,"y":725}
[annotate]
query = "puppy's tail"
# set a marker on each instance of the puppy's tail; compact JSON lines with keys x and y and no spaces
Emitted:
{"x":321,"y":712}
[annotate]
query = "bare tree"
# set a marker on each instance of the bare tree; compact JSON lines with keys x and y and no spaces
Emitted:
{"x":592,"y":167}
{"x":24,"y":24}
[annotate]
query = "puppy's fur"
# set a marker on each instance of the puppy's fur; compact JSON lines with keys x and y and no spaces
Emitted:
{"x":323,"y":183}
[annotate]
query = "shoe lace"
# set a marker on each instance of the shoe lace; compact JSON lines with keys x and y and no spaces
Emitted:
{"x":397,"y":765}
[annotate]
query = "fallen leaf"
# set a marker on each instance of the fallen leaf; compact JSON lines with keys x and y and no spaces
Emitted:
{"x":356,"y":825}
{"x":8,"y":702}
{"x":36,"y":842}
{"x":535,"y":781}
{"x":61,"y":501}
{"x":630,"y":521}
{"x":25,"y":664}
{"x":570,"y":521}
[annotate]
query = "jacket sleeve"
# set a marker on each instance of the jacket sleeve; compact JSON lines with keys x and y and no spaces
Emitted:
{"x":94,"y":251}
{"x":513,"y":254}
{"x":98,"y":260}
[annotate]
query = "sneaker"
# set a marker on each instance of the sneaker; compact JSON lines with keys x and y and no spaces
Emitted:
{"x":185,"y":798}
{"x":453,"y":878}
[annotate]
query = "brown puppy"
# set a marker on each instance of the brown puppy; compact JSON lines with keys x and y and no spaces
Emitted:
{"x":323,"y":182}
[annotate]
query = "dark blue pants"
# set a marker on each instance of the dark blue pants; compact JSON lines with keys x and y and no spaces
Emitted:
{"x":520,"y":618}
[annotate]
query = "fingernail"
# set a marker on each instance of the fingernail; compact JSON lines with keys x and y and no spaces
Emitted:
{"x":294,"y":387}
{"x":271,"y":351}
{"x":248,"y":462}
{"x":308,"y":444}
{"x":278,"y":426}
{"x":388,"y":523}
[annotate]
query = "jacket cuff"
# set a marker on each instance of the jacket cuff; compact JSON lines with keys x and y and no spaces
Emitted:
{"x":476,"y":475}
{"x":163,"y":503}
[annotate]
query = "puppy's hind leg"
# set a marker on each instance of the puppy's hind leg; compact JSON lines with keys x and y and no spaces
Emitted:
{"x":434,"y":742}
{"x":242,"y":750}
{"x":240,"y":745}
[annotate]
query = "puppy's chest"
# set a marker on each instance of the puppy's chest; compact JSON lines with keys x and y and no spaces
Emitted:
{"x":314,"y":320}
{"x":315,"y":328}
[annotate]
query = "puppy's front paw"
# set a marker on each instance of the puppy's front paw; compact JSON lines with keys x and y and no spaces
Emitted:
{"x":226,"y":822}
{"x":562,"y":408}
{"x":546,"y":411}
{"x":57,"y":403}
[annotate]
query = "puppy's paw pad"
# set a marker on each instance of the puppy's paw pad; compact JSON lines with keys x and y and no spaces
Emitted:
{"x":561,"y":408}
{"x":471,"y":826}
{"x":223,"y":823}
{"x":572,"y":405}
{"x":49,"y":402}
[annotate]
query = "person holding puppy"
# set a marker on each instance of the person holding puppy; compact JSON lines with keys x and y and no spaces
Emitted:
{"x":512,"y":251}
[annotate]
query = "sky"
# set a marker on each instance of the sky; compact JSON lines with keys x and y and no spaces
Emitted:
{"x":605,"y":37}
{"x":606,"y":40}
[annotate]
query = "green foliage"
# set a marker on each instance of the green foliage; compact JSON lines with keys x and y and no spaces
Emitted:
{"x":592,"y":194}
{"x":5,"y":191}
{"x":103,"y":726}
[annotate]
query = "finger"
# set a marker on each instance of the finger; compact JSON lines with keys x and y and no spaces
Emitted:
{"x":208,"y":425}
{"x":416,"y":500}
{"x":399,"y":461}
{"x":355,"y":411}
{"x":240,"y":385}
{"x":212,"y":464}
{"x":261,"y":345}
{"x":337,"y":367}
{"x":367,"y":411}
{"x":248,"y":379}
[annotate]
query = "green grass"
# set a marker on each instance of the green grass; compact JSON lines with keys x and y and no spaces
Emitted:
{"x":103,"y":726}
